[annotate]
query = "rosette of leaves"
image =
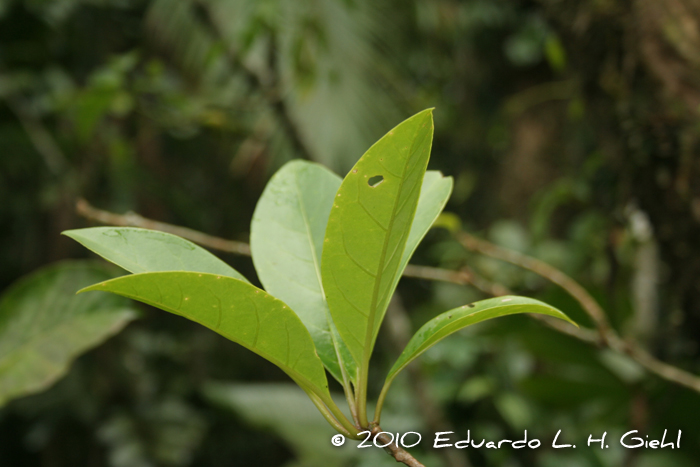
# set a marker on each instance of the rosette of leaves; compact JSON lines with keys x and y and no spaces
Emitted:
{"x":329,"y":253}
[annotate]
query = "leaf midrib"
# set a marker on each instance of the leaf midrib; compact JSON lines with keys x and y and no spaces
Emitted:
{"x":309,"y":238}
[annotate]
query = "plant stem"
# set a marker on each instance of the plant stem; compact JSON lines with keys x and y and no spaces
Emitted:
{"x":340,"y":416}
{"x":361,"y":396}
{"x":380,"y":401}
{"x":328,"y":415}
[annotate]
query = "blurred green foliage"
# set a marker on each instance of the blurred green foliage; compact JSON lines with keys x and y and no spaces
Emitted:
{"x":565,"y":140}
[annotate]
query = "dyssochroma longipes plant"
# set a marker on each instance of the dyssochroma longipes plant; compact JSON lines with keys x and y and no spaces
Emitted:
{"x":329,"y":253}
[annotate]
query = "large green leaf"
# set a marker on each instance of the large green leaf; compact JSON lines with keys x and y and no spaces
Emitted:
{"x":368,"y":228}
{"x":143,"y":250}
{"x":44,"y":326}
{"x":452,"y":321}
{"x":286,"y":240}
{"x":236,"y":310}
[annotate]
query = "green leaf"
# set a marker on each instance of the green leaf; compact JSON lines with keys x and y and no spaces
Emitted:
{"x":452,"y":321}
{"x":286,"y":241}
{"x":236,"y":310}
{"x":143,"y":250}
{"x":367,"y":231}
{"x":44,"y":326}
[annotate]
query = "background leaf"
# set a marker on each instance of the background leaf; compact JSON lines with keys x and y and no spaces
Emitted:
{"x":286,"y":411}
{"x":236,"y":310}
{"x":143,"y":250}
{"x":368,"y":228}
{"x":44,"y":326}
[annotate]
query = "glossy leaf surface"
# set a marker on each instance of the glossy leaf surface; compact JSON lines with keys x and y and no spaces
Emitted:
{"x":236,"y":310}
{"x":44,"y":326}
{"x":143,"y":250}
{"x":368,"y":228}
{"x":453,"y":320}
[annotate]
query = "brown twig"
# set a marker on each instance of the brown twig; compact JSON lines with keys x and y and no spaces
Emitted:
{"x":464,"y":277}
{"x":398,"y":453}
{"x":131,"y":219}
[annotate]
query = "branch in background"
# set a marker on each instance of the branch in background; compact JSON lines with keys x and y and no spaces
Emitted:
{"x":131,"y":219}
{"x":605,"y":338}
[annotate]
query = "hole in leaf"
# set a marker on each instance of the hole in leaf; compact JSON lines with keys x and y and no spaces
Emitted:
{"x":375,"y":181}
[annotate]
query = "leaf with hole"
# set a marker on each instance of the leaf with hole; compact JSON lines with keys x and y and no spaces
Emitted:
{"x":44,"y":326}
{"x":367,"y":232}
{"x":142,"y":250}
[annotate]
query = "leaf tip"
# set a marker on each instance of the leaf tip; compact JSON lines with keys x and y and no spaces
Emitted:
{"x":564,"y":317}
{"x":69,"y":233}
{"x":90,"y":288}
